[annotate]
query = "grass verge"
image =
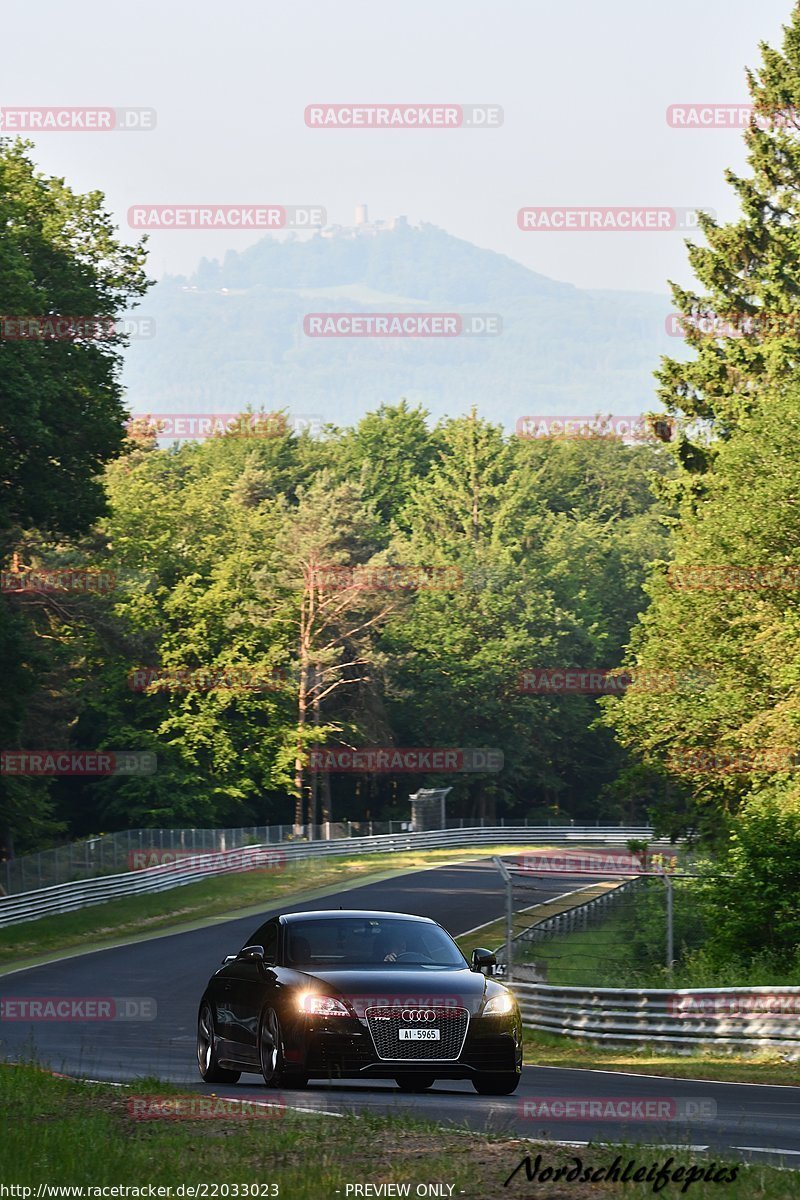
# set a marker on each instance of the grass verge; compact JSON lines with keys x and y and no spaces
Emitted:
{"x":549,"y":1050}
{"x":65,"y":1132}
{"x":600,"y":956}
{"x":493,"y":935}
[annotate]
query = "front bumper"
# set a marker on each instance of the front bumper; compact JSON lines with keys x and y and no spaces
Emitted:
{"x":343,"y":1048}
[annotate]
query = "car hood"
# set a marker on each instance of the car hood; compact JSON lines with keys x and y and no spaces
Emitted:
{"x":376,"y":987}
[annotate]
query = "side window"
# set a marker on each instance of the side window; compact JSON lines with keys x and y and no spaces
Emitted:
{"x":266,"y":936}
{"x":270,"y":942}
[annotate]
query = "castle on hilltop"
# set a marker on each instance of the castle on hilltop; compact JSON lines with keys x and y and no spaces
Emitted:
{"x":363,"y":226}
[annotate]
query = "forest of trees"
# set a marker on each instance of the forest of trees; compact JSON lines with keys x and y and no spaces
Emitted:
{"x":383,"y":585}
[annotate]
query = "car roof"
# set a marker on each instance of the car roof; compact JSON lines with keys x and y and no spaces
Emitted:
{"x":329,"y":913}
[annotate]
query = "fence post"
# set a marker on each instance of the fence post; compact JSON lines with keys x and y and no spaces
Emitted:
{"x":509,"y":882}
{"x":510,"y":929}
{"x":670,"y":955}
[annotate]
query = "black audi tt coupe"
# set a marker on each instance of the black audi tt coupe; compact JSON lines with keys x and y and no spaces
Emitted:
{"x":350,"y":994}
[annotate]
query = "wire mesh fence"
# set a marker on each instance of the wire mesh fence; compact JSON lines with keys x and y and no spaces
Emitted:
{"x":617,"y":932}
{"x":133,"y":849}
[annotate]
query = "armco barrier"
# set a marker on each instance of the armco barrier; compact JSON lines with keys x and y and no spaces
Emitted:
{"x":66,"y":897}
{"x":683,"y":1019}
{"x":111,"y":853}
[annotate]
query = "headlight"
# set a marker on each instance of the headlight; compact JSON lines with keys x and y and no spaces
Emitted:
{"x":498,"y":1006}
{"x":322,"y":1006}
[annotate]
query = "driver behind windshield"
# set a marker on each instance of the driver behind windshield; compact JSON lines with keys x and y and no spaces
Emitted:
{"x":394,"y":944}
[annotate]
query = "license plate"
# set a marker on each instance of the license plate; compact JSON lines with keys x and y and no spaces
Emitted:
{"x":419,"y":1035}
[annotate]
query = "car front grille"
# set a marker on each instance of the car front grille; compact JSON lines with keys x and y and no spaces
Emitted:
{"x":385,"y":1025}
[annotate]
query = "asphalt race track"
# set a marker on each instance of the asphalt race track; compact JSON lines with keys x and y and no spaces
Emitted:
{"x":755,"y":1122}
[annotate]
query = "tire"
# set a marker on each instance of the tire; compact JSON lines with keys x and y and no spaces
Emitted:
{"x":414,"y":1083}
{"x":207,"y":1064}
{"x":496,"y":1084}
{"x":270,"y":1054}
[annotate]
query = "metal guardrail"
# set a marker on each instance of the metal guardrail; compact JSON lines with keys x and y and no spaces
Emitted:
{"x":687,"y":1018}
{"x":67,"y":897}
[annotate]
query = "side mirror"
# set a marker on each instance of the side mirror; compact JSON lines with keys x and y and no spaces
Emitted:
{"x":251,"y":954}
{"x":483,"y":961}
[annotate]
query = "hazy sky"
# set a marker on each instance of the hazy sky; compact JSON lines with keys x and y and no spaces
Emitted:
{"x":584,"y":86}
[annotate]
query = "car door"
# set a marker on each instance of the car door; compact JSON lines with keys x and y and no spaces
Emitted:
{"x":249,"y":983}
{"x":221,"y":991}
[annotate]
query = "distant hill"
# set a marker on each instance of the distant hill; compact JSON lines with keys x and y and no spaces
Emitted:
{"x":232,"y":335}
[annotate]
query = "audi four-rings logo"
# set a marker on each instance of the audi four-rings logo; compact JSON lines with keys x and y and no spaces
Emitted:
{"x":418,"y":1014}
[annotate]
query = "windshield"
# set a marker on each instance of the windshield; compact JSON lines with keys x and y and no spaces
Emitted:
{"x":362,"y":941}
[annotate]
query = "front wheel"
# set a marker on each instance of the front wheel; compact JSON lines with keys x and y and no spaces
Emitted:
{"x":496,"y":1084}
{"x":270,"y":1054}
{"x":207,"y":1063}
{"x":414,"y":1083}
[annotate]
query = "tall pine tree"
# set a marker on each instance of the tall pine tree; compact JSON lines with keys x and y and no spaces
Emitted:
{"x":744,"y":323}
